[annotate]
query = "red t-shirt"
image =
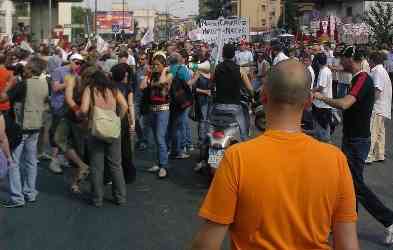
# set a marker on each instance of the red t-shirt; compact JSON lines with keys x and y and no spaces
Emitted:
{"x":5,"y":76}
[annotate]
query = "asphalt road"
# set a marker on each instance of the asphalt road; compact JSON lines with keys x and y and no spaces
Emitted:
{"x":159,"y":214}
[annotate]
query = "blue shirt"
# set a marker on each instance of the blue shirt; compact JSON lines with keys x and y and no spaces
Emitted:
{"x":57,"y":98}
{"x":182,"y":72}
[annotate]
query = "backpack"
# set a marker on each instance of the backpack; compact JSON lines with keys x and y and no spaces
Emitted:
{"x":181,"y":93}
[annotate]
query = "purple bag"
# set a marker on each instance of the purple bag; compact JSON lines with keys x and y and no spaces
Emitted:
{"x":3,"y":165}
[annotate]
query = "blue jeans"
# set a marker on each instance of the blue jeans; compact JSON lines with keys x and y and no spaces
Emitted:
{"x":342,"y":89}
{"x":22,"y":174}
{"x":356,"y":150}
{"x":187,"y":139}
{"x":178,"y":131}
{"x":237,"y":111}
{"x":203,"y":125}
{"x":159,"y":123}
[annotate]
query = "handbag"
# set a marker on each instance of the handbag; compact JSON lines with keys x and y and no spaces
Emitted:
{"x":105,"y":124}
{"x":3,"y":165}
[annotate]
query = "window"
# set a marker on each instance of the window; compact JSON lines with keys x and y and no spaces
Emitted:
{"x":263,"y":8}
{"x":349,"y":11}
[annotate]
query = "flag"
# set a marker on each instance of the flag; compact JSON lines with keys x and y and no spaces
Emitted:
{"x":148,"y":37}
{"x":102,"y":45}
{"x":25,"y":46}
{"x":195,"y":35}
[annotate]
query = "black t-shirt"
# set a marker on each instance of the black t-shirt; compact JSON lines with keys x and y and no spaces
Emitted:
{"x":228,"y":83}
{"x":358,"y":117}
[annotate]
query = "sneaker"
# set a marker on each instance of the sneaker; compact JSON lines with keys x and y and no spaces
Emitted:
{"x":182,"y":156}
{"x":199,"y":166}
{"x":55,"y":167}
{"x":11,"y":204}
{"x":163,"y":173}
{"x":44,"y":157}
{"x":191,"y":148}
{"x":154,"y":169}
{"x":389,"y":235}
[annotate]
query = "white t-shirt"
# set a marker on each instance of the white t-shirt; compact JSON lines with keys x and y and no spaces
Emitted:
{"x":131,"y":60}
{"x":312,"y":75}
{"x":383,"y":104}
{"x":244,"y":57}
{"x":325,"y":81}
{"x":280,"y":57}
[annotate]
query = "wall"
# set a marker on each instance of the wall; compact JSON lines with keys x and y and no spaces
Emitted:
{"x":39,"y":19}
{"x":65,"y":17}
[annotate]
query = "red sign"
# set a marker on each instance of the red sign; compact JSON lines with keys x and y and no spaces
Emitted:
{"x":107,"y":20}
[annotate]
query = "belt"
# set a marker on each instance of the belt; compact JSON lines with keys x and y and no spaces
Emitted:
{"x":158,"y":108}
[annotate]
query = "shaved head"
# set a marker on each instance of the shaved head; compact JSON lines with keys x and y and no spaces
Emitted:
{"x":289,"y":83}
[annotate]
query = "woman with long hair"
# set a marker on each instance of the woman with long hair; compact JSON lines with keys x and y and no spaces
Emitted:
{"x":121,"y":76}
{"x":156,"y":85}
{"x":102,"y":94}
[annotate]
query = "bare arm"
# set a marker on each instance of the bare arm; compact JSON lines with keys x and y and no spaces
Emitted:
{"x":122,"y":102}
{"x":342,"y":103}
{"x":3,"y":139}
{"x":345,"y":236}
{"x":131,"y":110}
{"x":69,"y":92}
{"x":194,"y":78}
{"x":210,"y":236}
{"x":85,"y":106}
{"x":57,"y":86}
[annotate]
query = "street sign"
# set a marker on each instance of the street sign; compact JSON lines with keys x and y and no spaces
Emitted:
{"x":73,"y":26}
{"x":115,"y":28}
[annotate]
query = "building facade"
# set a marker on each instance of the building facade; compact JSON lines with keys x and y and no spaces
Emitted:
{"x":347,"y":10}
{"x":263,"y":14}
{"x":145,"y":18}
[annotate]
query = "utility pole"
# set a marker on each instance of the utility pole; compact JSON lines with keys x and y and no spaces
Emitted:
{"x":124,"y":14}
{"x":95,"y":17}
{"x":50,"y":22}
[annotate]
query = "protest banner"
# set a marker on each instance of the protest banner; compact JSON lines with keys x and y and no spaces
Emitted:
{"x":222,"y":31}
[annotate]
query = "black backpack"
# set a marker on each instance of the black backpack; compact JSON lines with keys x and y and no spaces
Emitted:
{"x":180,"y":93}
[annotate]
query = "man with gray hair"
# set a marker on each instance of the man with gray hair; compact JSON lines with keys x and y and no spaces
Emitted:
{"x":267,"y":191}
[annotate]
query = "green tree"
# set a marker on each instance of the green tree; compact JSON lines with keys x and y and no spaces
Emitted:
{"x":288,"y":19}
{"x":211,"y":9}
{"x":380,"y":20}
{"x":78,"y":17}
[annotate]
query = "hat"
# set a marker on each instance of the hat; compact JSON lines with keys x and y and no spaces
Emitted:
{"x":77,"y":56}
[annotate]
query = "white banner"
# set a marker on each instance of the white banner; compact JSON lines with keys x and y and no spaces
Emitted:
{"x":231,"y":30}
{"x":148,"y":37}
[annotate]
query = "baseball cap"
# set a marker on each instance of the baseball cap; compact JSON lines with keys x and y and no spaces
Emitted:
{"x":77,"y":56}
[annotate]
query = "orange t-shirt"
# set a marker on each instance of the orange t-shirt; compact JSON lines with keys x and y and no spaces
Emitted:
{"x":281,"y":191}
{"x":5,"y":76}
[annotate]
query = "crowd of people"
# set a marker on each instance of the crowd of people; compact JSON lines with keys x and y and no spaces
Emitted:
{"x":89,"y":111}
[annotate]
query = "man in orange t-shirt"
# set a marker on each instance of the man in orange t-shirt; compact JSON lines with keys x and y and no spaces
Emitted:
{"x":5,"y":79}
{"x":283,"y":190}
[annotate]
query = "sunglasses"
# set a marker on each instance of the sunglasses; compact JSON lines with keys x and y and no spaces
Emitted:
{"x":77,"y":62}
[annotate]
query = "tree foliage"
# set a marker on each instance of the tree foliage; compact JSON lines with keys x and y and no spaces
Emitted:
{"x":290,"y":14}
{"x":213,"y":8}
{"x":380,"y":20}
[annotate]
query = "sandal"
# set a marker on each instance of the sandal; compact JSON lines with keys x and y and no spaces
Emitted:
{"x":83,"y":172}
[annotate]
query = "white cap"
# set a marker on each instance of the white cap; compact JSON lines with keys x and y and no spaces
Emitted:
{"x":77,"y":57}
